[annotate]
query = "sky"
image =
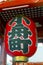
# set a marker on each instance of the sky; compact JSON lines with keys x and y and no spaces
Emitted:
{"x":37,"y":57}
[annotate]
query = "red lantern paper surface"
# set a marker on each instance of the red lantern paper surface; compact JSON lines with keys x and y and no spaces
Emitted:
{"x":20,"y":37}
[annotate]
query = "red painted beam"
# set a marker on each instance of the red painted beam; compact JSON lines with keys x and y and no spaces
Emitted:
{"x":21,"y":2}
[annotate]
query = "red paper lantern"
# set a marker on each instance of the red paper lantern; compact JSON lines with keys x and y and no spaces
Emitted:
{"x":20,"y":37}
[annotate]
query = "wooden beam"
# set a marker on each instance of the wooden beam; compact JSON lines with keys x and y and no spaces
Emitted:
{"x":29,"y":63}
{"x":20,"y":2}
{"x":40,"y":32}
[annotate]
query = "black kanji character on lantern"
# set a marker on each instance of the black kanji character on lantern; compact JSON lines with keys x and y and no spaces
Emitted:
{"x":15,"y":41}
{"x":19,"y":45}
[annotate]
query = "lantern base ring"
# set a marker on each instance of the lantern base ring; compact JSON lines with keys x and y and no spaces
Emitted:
{"x":20,"y":59}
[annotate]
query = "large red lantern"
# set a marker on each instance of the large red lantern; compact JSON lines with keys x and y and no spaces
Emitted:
{"x":20,"y":37}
